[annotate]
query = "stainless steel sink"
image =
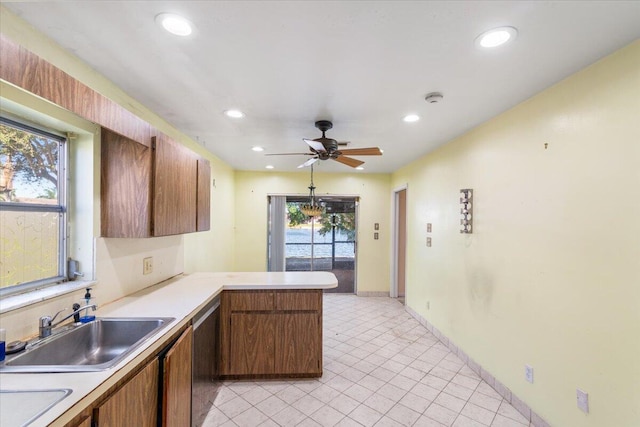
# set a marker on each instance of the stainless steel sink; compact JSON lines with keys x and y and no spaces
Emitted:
{"x":27,"y":405}
{"x":94,"y":346}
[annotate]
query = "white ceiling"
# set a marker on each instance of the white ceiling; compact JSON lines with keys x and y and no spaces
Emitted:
{"x":362,"y":64}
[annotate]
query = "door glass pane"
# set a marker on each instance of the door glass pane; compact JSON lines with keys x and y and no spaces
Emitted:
{"x":325,"y":243}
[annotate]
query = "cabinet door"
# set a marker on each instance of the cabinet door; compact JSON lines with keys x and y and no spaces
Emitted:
{"x":174,"y":188}
{"x":135,"y":403}
{"x":308,"y":300}
{"x":203,"y":222}
{"x":85,"y":423}
{"x":176,"y":396}
{"x":298,"y":343}
{"x":125,"y":187}
{"x":252,"y":337}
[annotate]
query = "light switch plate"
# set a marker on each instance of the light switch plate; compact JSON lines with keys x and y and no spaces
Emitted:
{"x":147,"y":265}
{"x":528,"y":373}
{"x":583,"y":400}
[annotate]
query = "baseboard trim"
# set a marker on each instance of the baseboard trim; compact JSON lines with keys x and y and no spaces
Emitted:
{"x":514,"y":400}
{"x":372,"y":294}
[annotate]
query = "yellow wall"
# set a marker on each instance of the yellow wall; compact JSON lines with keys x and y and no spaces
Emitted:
{"x":115,"y":263}
{"x":551,"y":275}
{"x":252,"y":188}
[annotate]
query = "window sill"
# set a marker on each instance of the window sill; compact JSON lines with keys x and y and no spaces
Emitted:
{"x":15,"y":302}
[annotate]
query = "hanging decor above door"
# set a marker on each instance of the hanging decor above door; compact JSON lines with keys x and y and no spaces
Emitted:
{"x":312,"y":208}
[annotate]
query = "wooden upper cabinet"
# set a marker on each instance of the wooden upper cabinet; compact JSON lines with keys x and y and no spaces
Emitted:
{"x":125,"y":187}
{"x":160,"y":190}
{"x":175,"y":188}
{"x":203,"y":202}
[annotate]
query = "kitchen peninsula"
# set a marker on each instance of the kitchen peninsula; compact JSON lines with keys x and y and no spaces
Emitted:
{"x":273,"y":317}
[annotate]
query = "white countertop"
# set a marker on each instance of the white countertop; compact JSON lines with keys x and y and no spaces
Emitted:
{"x":181,"y":297}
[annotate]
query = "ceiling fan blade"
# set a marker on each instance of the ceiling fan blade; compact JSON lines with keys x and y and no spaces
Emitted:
{"x":315,"y":145}
{"x":349,"y":161}
{"x":370,"y":151}
{"x":290,"y":154}
{"x":308,"y":162}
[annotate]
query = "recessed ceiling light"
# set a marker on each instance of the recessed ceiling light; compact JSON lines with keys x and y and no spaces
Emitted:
{"x":269,"y":167}
{"x":410,"y":118}
{"x":360,"y":168}
{"x":236,"y":114}
{"x":496,"y":37}
{"x":175,"y":24}
{"x":257,"y":148}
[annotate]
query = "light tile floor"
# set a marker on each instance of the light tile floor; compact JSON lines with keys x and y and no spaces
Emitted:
{"x":381,"y":368}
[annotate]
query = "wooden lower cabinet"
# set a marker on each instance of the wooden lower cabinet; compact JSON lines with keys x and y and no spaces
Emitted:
{"x":299,"y":343}
{"x":271,"y":333}
{"x":176,"y":395}
{"x":135,"y":403}
{"x":85,"y":423}
{"x":251,"y":349}
{"x":158,"y":394}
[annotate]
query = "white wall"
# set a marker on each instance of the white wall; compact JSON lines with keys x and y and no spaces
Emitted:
{"x":550,"y":276}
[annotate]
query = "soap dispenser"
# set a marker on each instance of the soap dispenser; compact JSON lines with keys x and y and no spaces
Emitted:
{"x":87,"y":301}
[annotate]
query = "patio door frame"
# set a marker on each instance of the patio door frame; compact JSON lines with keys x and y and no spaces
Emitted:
{"x":340,"y":196}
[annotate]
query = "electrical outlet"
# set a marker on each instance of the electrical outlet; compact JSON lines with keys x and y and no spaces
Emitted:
{"x":428,"y":227}
{"x":147,"y":265}
{"x":528,"y":373}
{"x":583,"y":400}
{"x":428,"y":242}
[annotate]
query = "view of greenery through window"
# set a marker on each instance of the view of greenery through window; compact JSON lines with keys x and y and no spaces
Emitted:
{"x":345,"y":222}
{"x":31,"y":211}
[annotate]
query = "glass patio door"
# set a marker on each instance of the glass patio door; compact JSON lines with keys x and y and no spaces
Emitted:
{"x":325,"y":243}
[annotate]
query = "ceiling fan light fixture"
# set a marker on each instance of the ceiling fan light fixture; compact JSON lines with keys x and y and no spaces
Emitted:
{"x":234,"y":114}
{"x":175,"y":24}
{"x":496,"y":37}
{"x":360,"y":168}
{"x":411,"y":118}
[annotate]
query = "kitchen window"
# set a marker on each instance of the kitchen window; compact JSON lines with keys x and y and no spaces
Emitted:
{"x":33,"y":207}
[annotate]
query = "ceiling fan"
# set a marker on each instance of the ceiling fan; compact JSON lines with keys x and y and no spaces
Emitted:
{"x":326,"y":148}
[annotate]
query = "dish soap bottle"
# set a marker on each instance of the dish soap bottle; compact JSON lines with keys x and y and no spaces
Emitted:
{"x":87,"y":317}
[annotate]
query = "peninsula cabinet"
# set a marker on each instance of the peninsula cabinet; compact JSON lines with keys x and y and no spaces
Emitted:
{"x":271,"y":334}
{"x":157,"y":190}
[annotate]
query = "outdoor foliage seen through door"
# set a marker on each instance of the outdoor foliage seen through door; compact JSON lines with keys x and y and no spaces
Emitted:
{"x":325,"y":243}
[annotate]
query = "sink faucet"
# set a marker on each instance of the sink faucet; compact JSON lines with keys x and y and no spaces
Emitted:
{"x":46,"y":322}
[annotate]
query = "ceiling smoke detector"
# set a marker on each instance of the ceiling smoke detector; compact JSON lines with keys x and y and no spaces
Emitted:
{"x":433,"y":97}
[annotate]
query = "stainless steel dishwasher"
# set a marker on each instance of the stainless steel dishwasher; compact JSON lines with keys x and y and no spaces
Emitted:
{"x":206,"y":326}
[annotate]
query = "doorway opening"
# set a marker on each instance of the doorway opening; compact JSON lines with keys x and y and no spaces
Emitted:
{"x":398,"y":281}
{"x":325,"y":243}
